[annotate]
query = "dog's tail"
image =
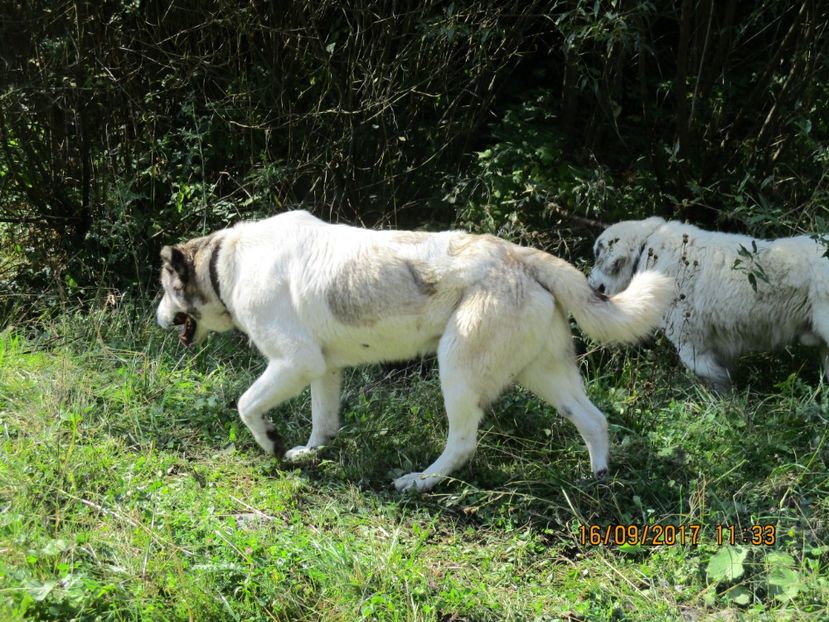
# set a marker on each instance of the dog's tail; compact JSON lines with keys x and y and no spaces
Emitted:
{"x":624,"y":317}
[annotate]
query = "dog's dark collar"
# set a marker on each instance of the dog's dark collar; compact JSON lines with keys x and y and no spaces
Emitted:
{"x":214,"y":272}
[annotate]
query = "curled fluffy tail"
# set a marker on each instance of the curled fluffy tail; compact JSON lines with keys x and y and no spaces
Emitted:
{"x":623,"y":317}
{"x":627,"y":316}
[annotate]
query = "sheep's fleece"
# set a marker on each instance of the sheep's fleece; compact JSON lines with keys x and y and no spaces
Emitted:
{"x":716,"y":314}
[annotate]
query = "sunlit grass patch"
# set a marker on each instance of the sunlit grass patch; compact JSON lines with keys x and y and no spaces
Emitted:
{"x":130,"y":490}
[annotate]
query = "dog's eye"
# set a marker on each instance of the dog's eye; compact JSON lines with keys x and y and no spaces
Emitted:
{"x":617,"y":265}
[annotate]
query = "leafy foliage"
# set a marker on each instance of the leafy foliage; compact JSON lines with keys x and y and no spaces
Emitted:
{"x":727,"y":564}
{"x":524,"y":178}
{"x":125,"y":125}
{"x":748,"y":263}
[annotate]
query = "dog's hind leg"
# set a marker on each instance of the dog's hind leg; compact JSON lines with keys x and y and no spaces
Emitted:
{"x":706,"y":365}
{"x":820,"y":331}
{"x":479,"y":355}
{"x":325,"y":414}
{"x":461,"y":397}
{"x":280,"y":381}
{"x":464,"y":412}
{"x":824,"y":360}
{"x":555,"y":378}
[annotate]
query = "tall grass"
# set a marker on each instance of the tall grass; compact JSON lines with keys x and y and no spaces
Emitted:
{"x":129,"y":490}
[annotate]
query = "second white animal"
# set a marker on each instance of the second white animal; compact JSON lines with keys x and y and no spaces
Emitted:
{"x":716,"y":313}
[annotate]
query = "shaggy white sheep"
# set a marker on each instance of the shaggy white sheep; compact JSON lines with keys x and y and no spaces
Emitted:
{"x":734,"y":293}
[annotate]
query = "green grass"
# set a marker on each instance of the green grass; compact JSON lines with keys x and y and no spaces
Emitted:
{"x":129,"y":490}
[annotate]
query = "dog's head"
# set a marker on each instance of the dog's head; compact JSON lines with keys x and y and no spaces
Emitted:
{"x":616,"y":252}
{"x":190,"y":301}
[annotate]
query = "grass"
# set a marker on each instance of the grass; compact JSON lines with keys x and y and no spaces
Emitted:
{"x":129,"y":490}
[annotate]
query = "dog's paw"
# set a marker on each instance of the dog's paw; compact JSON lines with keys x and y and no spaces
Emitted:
{"x":416,"y":482}
{"x":601,"y":474}
{"x":301,"y":453}
{"x":408,"y":483}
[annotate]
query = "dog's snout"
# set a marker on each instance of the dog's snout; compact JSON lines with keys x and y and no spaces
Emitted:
{"x":600,"y":288}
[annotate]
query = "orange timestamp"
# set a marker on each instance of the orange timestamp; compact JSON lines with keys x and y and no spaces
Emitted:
{"x":755,"y":535}
{"x":645,"y":535}
{"x":673,"y":535}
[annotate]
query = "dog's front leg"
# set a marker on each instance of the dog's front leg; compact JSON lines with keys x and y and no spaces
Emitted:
{"x":325,"y":414}
{"x":281,"y":381}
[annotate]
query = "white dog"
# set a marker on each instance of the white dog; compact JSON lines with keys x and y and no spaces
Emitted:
{"x":734,"y":293}
{"x":315,"y":298}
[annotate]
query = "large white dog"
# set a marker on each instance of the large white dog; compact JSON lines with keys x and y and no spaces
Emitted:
{"x":315,"y":298}
{"x":734,"y":293}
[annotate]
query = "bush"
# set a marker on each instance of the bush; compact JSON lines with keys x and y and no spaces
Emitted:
{"x":125,"y":126}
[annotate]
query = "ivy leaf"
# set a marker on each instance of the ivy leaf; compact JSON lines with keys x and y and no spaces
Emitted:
{"x":726,"y":564}
{"x":783,"y":579}
{"x":739,"y":595}
{"x":54,"y":547}
{"x":784,"y":583}
{"x":39,"y":591}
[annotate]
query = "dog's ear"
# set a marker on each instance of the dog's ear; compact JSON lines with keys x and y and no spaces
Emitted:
{"x":172,"y":256}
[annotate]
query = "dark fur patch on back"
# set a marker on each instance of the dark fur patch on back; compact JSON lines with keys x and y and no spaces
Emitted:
{"x":423,"y":277}
{"x":380,"y":284}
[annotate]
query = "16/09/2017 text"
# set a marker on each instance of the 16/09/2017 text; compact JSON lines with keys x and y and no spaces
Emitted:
{"x":673,"y":535}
